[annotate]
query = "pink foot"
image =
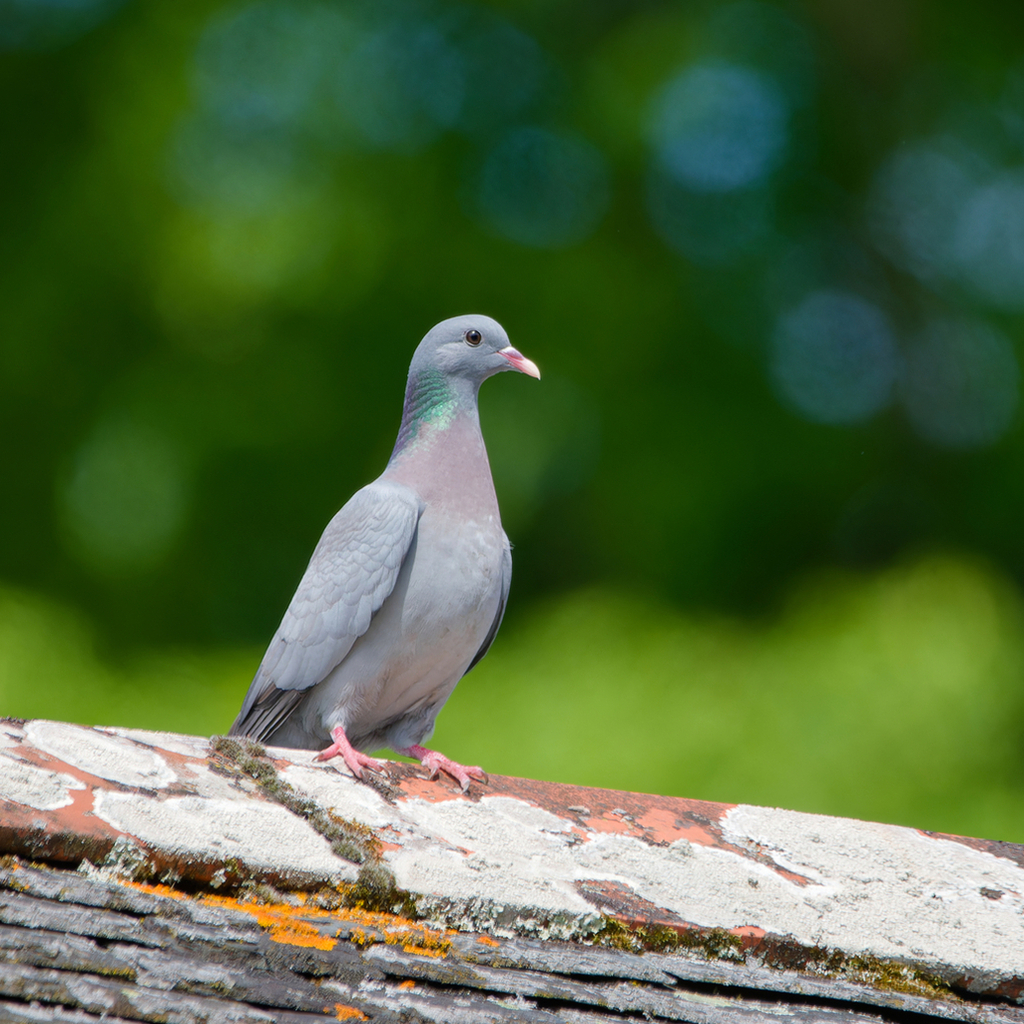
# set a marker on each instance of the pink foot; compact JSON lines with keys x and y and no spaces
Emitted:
{"x":436,"y":762}
{"x":356,"y":760}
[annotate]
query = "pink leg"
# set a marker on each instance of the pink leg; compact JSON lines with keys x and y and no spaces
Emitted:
{"x":436,"y":762}
{"x":355,"y":760}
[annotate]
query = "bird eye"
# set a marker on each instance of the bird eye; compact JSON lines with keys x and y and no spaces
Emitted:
{"x":473,"y":337}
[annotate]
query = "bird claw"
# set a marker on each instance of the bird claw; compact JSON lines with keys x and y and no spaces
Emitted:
{"x":436,"y":762}
{"x":355,"y":759}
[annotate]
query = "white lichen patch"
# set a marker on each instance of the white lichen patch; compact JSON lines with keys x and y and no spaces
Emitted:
{"x":101,"y":754}
{"x":176,"y":743}
{"x":863,"y":888}
{"x":10,"y":735}
{"x":500,"y":850}
{"x":513,"y":855}
{"x":39,"y":788}
{"x":888,"y":890}
{"x":335,"y":790}
{"x":261,"y":835}
{"x":352,"y":800}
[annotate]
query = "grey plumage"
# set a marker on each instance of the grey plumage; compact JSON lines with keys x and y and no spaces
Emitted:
{"x":407,"y":587}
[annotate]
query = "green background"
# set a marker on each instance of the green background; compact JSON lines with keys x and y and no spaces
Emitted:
{"x":766,"y":501}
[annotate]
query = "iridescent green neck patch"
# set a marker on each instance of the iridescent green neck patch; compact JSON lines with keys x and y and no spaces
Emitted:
{"x":429,"y":402}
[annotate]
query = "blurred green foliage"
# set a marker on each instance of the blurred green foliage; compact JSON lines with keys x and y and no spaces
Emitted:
{"x":768,"y":255}
{"x":895,"y":697}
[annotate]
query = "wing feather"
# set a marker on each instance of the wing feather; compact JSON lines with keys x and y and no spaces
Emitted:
{"x":350,"y":575}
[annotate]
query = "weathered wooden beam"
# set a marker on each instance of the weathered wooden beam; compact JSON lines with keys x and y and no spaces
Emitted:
{"x":163,"y":877}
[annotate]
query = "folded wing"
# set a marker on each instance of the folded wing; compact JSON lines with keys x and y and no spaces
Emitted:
{"x":350,"y":575}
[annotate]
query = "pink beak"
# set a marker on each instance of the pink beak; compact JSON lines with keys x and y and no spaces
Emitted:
{"x":520,"y":362}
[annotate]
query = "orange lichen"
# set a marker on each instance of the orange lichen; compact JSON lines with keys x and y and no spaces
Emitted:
{"x":285,"y":922}
{"x":375,"y":919}
{"x":424,"y":951}
{"x":421,"y":940}
{"x":11,"y":863}
{"x":156,"y":890}
{"x":407,"y":984}
{"x":301,"y":936}
{"x":487,"y":940}
{"x":297,"y":924}
{"x":342,"y":1012}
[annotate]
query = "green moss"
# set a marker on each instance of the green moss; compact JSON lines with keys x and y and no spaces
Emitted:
{"x":129,"y":974}
{"x":254,"y":891}
{"x":716,"y":943}
{"x":713,"y":943}
{"x":719,"y":944}
{"x":892,"y":976}
{"x":327,"y":898}
{"x":885,"y":975}
{"x":375,"y":887}
{"x":349,"y":840}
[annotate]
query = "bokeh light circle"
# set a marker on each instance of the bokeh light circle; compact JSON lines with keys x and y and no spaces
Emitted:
{"x":402,"y":86}
{"x":260,"y":66}
{"x":989,"y":241}
{"x":717,"y":127}
{"x":914,"y":204}
{"x":834,"y":358}
{"x":960,"y":386}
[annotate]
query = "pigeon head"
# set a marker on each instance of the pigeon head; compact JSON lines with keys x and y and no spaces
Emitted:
{"x":468,"y":348}
{"x":446,"y":372}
